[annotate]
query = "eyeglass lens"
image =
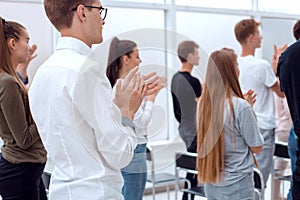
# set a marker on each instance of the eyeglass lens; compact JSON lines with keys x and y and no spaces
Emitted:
{"x":103,"y":12}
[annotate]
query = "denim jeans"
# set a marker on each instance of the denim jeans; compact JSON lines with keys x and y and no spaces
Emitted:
{"x":292,"y":147}
{"x":241,"y":190}
{"x":135,"y":175}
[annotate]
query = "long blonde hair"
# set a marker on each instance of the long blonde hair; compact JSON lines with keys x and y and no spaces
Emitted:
{"x":221,"y":84}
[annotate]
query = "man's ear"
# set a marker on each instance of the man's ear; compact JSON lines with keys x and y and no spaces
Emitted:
{"x":188,"y":58}
{"x":81,"y":13}
{"x":250,"y":38}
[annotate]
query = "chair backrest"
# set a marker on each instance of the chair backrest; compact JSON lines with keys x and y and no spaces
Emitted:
{"x":186,"y":161}
{"x":46,"y":176}
{"x":150,"y":158}
{"x":259,"y":182}
{"x":281,"y":150}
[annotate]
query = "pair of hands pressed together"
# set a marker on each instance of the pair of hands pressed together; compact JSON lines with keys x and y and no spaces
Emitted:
{"x":131,"y":90}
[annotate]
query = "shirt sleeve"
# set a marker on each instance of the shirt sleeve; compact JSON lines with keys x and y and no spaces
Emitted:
{"x":197,"y":88}
{"x":13,"y":109}
{"x":143,"y":116}
{"x":25,"y":81}
{"x":248,"y":127}
{"x":93,"y":99}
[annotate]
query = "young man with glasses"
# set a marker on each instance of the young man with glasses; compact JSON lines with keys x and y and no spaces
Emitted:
{"x":87,"y":134}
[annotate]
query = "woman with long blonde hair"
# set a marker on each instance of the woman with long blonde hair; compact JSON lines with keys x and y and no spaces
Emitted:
{"x":228,"y":134}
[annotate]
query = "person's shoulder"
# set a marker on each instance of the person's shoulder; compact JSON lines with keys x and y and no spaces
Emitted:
{"x":240,"y":104}
{"x":293,"y":47}
{"x":250,"y":60}
{"x":260,"y":63}
{"x":290,"y":55}
{"x":245,"y":58}
{"x":295,"y":44}
{"x":195,"y":78}
{"x":177,"y":75}
{"x":186,"y":75}
{"x":7,"y":81}
{"x":6,"y":78}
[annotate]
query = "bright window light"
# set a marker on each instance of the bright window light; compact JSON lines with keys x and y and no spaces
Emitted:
{"x":287,"y":6}
{"x":230,"y":4}
{"x":145,"y":1}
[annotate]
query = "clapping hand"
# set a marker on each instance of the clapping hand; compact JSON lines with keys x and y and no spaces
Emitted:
{"x":276,"y":54}
{"x":130,"y":91}
{"x":22,"y":67}
{"x":250,"y":97}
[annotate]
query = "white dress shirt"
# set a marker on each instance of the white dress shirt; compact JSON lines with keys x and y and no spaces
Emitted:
{"x":71,"y":103}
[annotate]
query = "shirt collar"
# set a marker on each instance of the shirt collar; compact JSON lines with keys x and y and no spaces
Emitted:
{"x":74,"y":44}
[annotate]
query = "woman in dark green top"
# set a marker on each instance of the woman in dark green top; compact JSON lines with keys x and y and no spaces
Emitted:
{"x":23,"y":154}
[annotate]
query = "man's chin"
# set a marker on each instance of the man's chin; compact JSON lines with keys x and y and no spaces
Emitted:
{"x":100,"y":40}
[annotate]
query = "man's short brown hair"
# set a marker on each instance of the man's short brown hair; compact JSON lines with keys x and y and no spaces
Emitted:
{"x":244,"y":29}
{"x":296,"y":30}
{"x":60,"y":13}
{"x":185,"y":48}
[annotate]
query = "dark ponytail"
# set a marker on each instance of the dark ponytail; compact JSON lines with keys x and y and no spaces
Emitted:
{"x":117,"y":49}
{"x":5,"y":61}
{"x":8,"y":30}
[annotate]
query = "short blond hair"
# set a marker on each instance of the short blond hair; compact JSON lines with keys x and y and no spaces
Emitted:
{"x":244,"y":29}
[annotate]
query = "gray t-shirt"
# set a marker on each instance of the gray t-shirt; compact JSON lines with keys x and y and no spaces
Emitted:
{"x":238,"y":137}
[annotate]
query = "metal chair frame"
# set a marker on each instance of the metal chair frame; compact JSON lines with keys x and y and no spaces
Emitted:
{"x":187,"y":162}
{"x":159,"y":179}
{"x":280,"y":153}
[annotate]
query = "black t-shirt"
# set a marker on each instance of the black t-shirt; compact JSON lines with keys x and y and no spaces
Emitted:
{"x":185,"y":89}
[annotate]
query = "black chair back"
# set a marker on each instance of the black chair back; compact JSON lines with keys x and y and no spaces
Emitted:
{"x":281,"y":150}
{"x":186,"y":160}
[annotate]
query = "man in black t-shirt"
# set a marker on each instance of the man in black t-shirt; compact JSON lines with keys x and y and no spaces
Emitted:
{"x":185,"y":91}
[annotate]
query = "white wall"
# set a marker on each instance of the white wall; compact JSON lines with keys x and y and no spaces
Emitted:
{"x":276,"y":31}
{"x":33,"y":17}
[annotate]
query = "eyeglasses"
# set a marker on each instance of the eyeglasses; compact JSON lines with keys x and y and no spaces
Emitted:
{"x":102,"y":11}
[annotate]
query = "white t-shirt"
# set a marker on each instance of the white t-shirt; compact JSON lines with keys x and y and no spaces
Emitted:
{"x":257,"y":74}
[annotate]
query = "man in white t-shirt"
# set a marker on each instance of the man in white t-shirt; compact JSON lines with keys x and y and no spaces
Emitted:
{"x":258,"y":75}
